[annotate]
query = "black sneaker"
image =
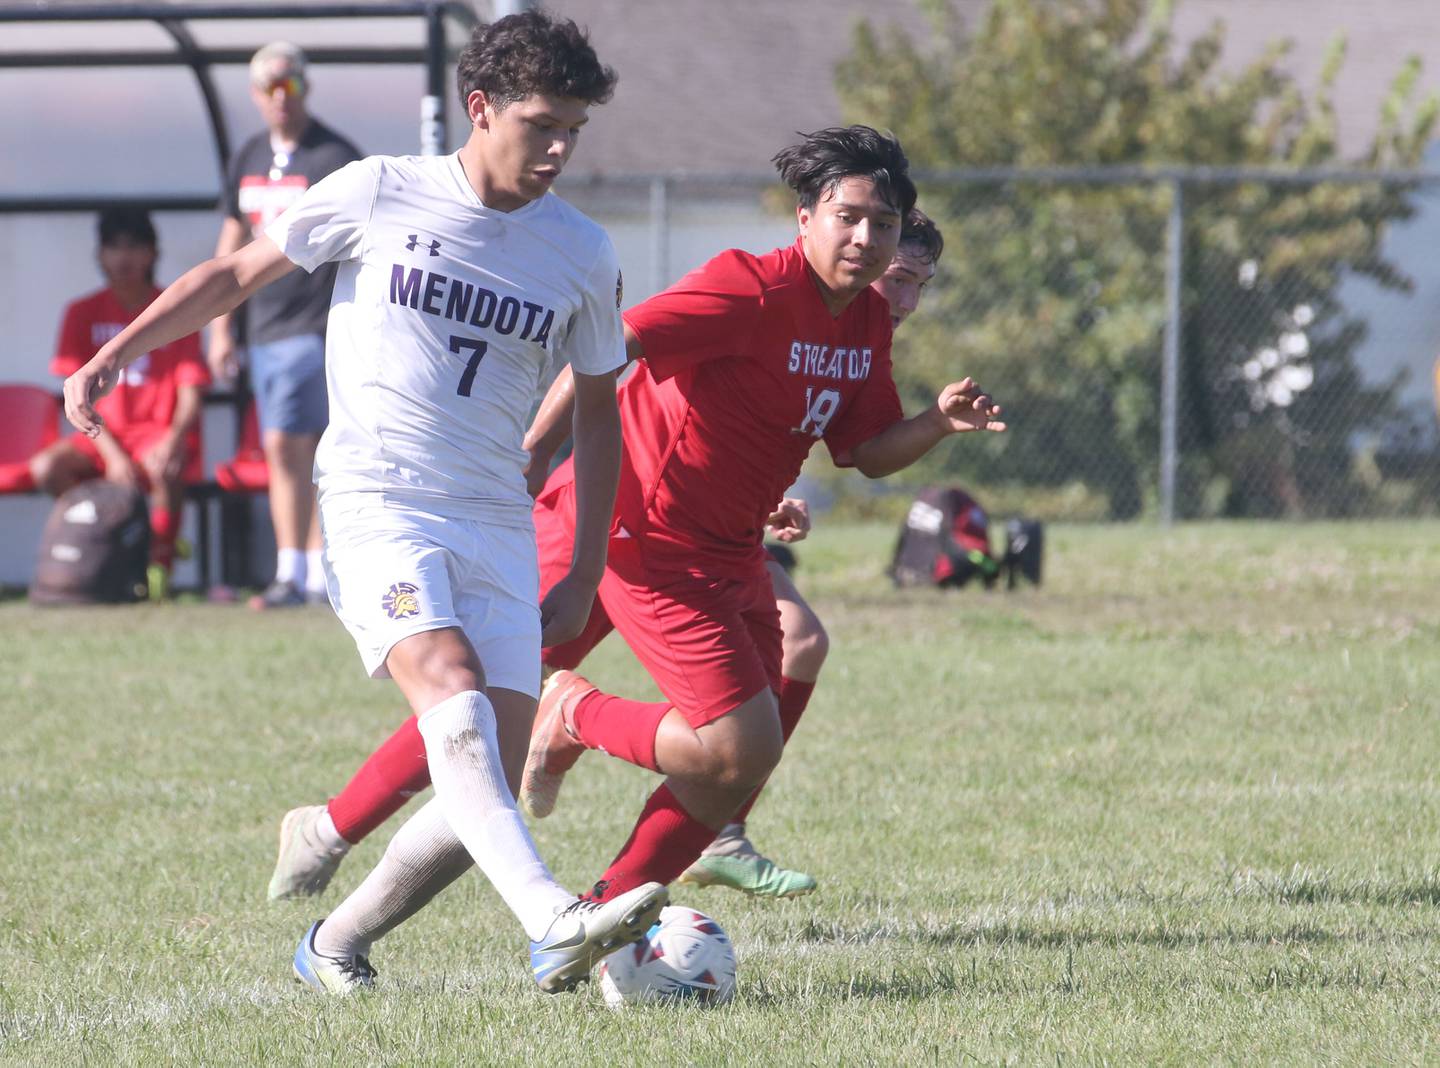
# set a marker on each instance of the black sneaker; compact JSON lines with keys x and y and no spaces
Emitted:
{"x":278,"y":595}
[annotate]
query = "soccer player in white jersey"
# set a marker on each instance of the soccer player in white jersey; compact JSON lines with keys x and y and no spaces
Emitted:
{"x":460,"y":279}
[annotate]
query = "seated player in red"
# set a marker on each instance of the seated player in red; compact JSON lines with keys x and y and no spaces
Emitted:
{"x":747,"y":363}
{"x":150,"y":439}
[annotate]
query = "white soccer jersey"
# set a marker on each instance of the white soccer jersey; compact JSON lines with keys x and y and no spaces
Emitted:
{"x":445,"y":317}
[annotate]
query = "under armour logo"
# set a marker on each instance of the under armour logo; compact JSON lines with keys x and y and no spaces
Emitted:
{"x":415,"y":242}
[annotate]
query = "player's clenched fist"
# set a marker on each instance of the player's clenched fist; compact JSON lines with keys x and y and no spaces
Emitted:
{"x":966,"y":406}
{"x":82,"y":390}
{"x":564,"y":610}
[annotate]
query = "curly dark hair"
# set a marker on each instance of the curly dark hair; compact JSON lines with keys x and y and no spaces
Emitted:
{"x":529,"y":53}
{"x":825,"y":158}
{"x":920,"y":230}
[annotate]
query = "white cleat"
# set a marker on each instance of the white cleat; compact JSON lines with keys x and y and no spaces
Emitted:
{"x":333,"y":975}
{"x":553,"y":748}
{"x":305,"y":865}
{"x":584,"y":932}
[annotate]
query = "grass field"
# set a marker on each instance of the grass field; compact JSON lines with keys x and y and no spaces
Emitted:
{"x":1178,"y":806}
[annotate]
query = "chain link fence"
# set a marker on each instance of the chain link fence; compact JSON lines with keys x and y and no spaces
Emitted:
{"x":1174,"y":344}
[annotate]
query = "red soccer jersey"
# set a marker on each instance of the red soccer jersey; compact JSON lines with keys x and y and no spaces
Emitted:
{"x":744,"y":370}
{"x":144,"y":398}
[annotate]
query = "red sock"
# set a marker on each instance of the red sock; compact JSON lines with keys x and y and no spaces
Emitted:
{"x":622,"y":728}
{"x":393,"y":774}
{"x":794,"y":696}
{"x":164,"y":525}
{"x":666,"y":840}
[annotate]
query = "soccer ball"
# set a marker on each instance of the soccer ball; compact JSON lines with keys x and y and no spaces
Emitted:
{"x":684,"y":956}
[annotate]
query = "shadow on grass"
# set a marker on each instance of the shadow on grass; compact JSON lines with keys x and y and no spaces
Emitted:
{"x":997,"y":935}
{"x":1302,"y":886}
{"x":1056,"y":976}
{"x":927,"y":982}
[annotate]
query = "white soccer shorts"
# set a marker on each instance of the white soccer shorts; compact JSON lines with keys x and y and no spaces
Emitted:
{"x":395,"y":571}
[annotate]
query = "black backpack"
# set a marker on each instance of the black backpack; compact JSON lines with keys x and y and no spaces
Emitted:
{"x":95,"y":548}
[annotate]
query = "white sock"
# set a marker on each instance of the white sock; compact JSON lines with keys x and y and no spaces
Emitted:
{"x":314,"y":571}
{"x":422,"y":859}
{"x":464,"y":758}
{"x":290,"y":566}
{"x":329,"y":835}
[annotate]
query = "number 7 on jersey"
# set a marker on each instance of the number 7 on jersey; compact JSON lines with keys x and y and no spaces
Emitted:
{"x":477,"y":353}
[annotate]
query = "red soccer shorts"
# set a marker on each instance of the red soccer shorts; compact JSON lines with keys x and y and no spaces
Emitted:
{"x":709,"y":644}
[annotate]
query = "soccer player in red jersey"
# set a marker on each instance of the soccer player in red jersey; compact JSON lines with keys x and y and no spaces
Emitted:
{"x":731,"y":860}
{"x":149,"y":440}
{"x":747,"y":363}
{"x":396,"y":770}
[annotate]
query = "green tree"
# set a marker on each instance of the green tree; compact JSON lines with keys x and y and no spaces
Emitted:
{"x":1052,"y":292}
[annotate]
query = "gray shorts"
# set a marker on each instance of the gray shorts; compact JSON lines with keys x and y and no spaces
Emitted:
{"x":288,"y":377}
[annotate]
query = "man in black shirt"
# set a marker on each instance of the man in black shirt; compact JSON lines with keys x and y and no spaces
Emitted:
{"x":285,"y":321}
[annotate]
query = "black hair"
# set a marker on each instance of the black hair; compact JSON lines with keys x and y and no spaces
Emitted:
{"x":124,"y":220}
{"x":530,"y":53}
{"x":920,"y":229}
{"x":825,"y":158}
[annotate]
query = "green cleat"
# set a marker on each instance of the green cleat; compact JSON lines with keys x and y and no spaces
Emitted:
{"x":732,"y":861}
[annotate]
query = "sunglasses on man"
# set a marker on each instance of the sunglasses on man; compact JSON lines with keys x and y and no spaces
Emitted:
{"x":289,"y":84}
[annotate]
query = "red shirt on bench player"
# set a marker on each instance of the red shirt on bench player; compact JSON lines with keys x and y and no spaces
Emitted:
{"x":151,"y":438}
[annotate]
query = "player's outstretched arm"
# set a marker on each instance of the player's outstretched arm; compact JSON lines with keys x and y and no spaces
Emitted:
{"x":191,"y":301}
{"x":597,"y":470}
{"x":961,"y":406}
